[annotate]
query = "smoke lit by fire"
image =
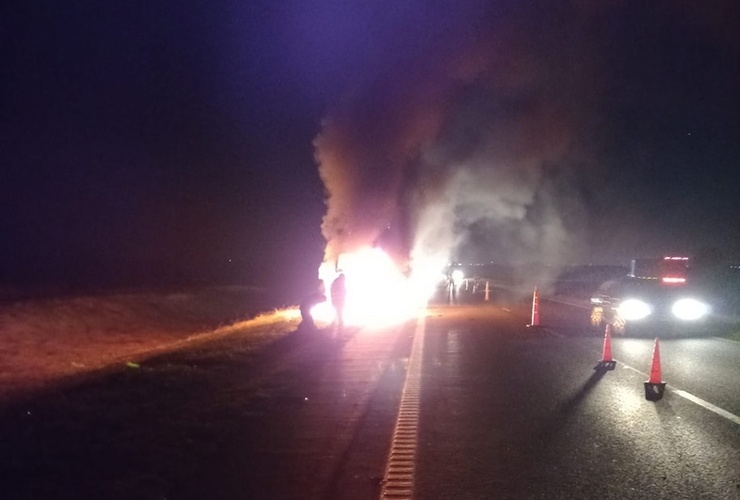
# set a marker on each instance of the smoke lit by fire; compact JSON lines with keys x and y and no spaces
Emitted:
{"x":466,"y":150}
{"x":469,"y":139}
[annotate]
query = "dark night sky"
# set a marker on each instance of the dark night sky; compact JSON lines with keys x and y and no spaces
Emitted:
{"x":156,"y":139}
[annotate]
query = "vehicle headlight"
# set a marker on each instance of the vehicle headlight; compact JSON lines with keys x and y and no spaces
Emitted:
{"x":689,"y":309}
{"x":634,"y":309}
{"x":457,"y":277}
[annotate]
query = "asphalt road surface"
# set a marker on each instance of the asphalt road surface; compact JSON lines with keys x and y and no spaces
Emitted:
{"x":512,"y":412}
{"x":504,"y":411}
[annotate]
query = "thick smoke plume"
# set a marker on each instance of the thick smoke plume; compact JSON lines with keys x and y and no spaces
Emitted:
{"x":471,"y":148}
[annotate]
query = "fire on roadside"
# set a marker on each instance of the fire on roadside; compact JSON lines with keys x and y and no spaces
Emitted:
{"x":378,"y":293}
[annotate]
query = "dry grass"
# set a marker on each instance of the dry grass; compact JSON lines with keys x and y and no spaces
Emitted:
{"x":42,"y":341}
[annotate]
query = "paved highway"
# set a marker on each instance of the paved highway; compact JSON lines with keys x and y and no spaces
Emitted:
{"x":490,"y":409}
{"x":512,"y":412}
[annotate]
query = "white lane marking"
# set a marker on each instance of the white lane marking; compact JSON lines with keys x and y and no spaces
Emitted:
{"x":709,"y":406}
{"x":400,"y":469}
{"x":690,"y":397}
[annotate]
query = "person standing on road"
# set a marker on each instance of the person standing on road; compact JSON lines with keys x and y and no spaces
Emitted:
{"x":338,"y":297}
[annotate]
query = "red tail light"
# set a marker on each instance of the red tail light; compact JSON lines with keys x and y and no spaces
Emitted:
{"x":672,"y":280}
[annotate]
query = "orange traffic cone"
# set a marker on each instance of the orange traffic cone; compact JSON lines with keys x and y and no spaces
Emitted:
{"x":607,"y":363}
{"x":655,"y":387}
{"x":535,"y":308}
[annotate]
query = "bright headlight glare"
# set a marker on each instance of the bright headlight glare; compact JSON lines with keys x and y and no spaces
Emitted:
{"x":633,"y":309}
{"x":689,"y":309}
{"x":458,"y":276}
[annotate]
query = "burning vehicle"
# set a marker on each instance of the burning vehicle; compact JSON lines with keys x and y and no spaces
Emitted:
{"x":655,"y":297}
{"x":378,"y":291}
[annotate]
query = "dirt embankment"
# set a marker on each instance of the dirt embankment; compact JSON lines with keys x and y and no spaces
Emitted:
{"x":45,"y":339}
